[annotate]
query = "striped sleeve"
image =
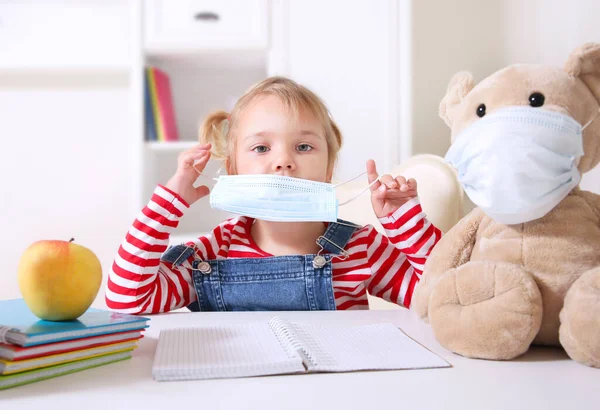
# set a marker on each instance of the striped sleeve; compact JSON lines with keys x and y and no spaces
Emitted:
{"x":397,"y":258}
{"x":139,"y":282}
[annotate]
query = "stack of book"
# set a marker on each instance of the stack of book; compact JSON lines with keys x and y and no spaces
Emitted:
{"x":32,"y":349}
{"x":159,"y":114}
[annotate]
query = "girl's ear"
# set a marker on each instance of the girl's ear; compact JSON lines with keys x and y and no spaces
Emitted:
{"x":229,"y":166}
{"x":329,"y":176}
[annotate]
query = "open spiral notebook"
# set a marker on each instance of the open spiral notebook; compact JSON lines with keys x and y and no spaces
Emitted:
{"x":280,"y":347}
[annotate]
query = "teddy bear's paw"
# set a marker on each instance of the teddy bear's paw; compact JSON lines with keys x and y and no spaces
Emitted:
{"x":580,"y":320}
{"x":487,"y":310}
{"x":420,"y":299}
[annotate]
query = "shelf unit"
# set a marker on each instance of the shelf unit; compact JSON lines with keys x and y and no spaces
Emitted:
{"x":210,"y":65}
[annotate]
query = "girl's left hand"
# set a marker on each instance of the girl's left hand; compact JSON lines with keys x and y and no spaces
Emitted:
{"x":389,"y":194}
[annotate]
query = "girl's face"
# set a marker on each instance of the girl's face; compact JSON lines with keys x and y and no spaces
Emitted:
{"x":271,"y":141}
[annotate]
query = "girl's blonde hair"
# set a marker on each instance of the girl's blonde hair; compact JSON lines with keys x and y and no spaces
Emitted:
{"x":218,"y":127}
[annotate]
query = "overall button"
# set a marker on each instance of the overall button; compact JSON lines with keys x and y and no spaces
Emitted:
{"x":319,"y":261}
{"x":204,"y":267}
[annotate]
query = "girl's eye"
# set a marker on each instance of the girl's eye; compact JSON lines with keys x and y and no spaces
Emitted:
{"x":304,"y":147}
{"x":260,"y":149}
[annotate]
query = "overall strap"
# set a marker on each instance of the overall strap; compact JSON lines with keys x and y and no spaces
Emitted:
{"x":178,"y":254}
{"x":336,"y":236}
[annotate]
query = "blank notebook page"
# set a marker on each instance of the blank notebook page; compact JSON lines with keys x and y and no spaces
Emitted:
{"x":365,"y":347}
{"x":221,"y":351}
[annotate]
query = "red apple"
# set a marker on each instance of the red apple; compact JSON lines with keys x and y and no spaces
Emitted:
{"x":59,"y":280}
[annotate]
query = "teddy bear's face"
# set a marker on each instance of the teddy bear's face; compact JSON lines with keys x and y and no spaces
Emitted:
{"x":574,"y":91}
{"x":525,"y":85}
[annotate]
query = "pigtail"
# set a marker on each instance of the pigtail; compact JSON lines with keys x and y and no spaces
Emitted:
{"x":214,"y":130}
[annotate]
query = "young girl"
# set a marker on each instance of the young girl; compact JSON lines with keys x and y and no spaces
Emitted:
{"x":279,"y":128}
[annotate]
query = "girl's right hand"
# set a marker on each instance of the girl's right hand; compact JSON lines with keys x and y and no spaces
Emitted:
{"x":187,"y":172}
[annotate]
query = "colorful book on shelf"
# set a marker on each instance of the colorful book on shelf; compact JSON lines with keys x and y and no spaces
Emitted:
{"x":162,"y":105}
{"x":154,"y":104}
{"x":18,"y":366}
{"x":18,"y":325}
{"x":13,"y":352}
{"x":17,"y":379}
{"x":166,"y":108}
{"x":149,"y":116}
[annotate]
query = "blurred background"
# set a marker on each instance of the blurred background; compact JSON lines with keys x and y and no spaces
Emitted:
{"x":98,"y":97}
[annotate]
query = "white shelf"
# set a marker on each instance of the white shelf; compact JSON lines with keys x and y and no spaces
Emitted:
{"x":175,"y":146}
{"x":221,"y":58}
{"x":69,"y":76}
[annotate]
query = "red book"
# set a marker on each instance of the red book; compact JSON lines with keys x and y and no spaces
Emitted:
{"x":13,"y":352}
{"x":166,"y":109}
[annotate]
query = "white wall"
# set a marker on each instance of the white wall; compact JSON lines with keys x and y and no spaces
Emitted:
{"x":450,"y":36}
{"x":65,"y":171}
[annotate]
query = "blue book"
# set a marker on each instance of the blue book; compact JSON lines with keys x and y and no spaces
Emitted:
{"x":18,"y":325}
{"x":149,"y":111}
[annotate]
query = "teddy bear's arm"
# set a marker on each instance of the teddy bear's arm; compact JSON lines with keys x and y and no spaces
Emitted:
{"x":453,"y":250}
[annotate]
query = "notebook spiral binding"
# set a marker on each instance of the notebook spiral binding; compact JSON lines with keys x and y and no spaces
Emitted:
{"x":289,"y":339}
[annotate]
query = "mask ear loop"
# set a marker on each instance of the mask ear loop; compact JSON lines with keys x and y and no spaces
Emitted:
{"x":590,"y":121}
{"x":576,"y":160}
{"x":216,"y":173}
{"x":360,"y":193}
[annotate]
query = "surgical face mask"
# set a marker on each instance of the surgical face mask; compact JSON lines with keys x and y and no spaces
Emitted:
{"x":277,"y":198}
{"x":518,"y":163}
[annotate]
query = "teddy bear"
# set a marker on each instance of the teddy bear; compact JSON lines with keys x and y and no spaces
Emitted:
{"x":523,"y":267}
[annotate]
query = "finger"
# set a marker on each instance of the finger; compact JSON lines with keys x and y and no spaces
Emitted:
{"x":372,"y":175}
{"x":412,"y":184}
{"x":206,"y":147}
{"x":192,"y":151}
{"x":394,"y":194}
{"x":380,"y":192}
{"x":401,"y":181}
{"x":201,"y":191}
{"x":195,"y":150}
{"x":189,"y":159}
{"x":388,"y":181}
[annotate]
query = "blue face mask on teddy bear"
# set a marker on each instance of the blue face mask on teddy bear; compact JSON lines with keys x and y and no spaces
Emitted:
{"x":518,"y":163}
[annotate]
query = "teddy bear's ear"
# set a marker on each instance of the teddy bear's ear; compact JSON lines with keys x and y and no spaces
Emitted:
{"x":584,"y":63}
{"x":459,"y":87}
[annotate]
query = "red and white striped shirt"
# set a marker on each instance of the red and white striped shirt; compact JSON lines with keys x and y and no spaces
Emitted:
{"x":385,"y":266}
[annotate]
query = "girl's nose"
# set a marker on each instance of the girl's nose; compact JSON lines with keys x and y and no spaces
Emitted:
{"x":284,"y":162}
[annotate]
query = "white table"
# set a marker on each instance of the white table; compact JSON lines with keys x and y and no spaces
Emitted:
{"x":545,"y":378}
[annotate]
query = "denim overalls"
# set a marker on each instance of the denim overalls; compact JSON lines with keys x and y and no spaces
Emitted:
{"x":291,"y":282}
